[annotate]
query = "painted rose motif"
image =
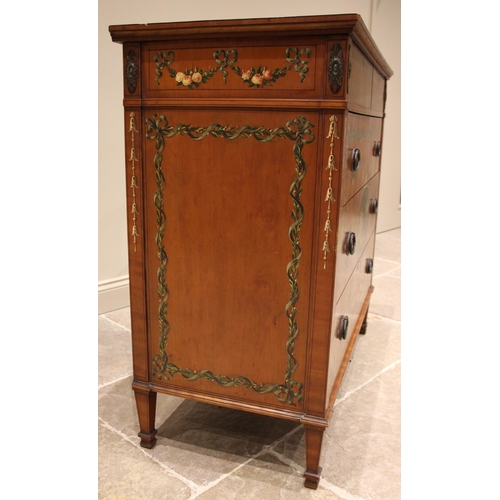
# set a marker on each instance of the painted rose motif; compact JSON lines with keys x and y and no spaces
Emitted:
{"x":261,"y":76}
{"x":257,"y":79}
{"x":267,"y":74}
{"x":192,"y":79}
{"x":246,"y":74}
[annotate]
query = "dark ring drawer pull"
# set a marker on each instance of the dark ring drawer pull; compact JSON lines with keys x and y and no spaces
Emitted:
{"x":350,"y":246}
{"x":369,"y":266}
{"x":377,"y":148}
{"x":374,"y":206}
{"x":344,"y":325}
{"x":356,"y":159}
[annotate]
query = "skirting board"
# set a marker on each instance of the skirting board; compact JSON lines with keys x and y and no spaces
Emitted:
{"x":113,"y":294}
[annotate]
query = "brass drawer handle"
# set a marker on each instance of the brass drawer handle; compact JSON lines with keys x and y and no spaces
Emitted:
{"x":356,"y":159}
{"x":350,"y":246}
{"x":344,"y":325}
{"x":369,"y":266}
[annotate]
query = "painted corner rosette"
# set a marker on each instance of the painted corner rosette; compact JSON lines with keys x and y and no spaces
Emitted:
{"x":336,"y":68}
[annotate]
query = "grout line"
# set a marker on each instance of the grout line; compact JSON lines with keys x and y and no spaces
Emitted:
{"x":381,"y":316}
{"x":387,"y":317}
{"x":202,"y":489}
{"x":388,"y":272}
{"x":270,"y":447}
{"x":287,"y":461}
{"x":388,"y":260}
{"x":114,"y":322}
{"x":348,"y":394}
{"x":265,"y":449}
{"x":114,"y":381}
{"x":196,"y":490}
{"x":167,"y":469}
{"x":340,"y":492}
{"x":324,"y":483}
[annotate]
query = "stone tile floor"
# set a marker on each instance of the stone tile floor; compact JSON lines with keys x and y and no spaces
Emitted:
{"x":206,"y":452}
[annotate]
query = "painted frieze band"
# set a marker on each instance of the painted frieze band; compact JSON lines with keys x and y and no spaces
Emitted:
{"x":259,"y":77}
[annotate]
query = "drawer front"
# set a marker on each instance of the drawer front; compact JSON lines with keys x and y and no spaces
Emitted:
{"x":349,"y":304}
{"x":361,"y":159}
{"x":360,"y":78}
{"x":234,"y":70}
{"x":378,"y":92}
{"x":366,"y":85}
{"x":356,"y":218}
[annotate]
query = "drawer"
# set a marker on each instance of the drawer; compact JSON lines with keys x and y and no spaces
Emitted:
{"x":378,"y":92}
{"x":360,"y":78}
{"x":349,"y":304}
{"x":233,"y":69}
{"x":356,"y":217}
{"x":361,"y":159}
{"x":366,"y":86}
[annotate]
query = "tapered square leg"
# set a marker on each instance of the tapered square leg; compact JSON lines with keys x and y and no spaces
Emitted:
{"x":146,"y":409}
{"x":364,"y":325}
{"x":314,"y":441}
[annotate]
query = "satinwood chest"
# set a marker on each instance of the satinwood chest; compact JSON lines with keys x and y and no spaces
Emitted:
{"x":252,"y":156}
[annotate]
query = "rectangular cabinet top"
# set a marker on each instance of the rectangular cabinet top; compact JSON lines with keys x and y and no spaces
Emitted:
{"x":329,"y":25}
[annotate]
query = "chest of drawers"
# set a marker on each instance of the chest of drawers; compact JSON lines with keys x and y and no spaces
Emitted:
{"x":252,"y":154}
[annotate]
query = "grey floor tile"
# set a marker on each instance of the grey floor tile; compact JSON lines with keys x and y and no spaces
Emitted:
{"x":120,"y":316}
{"x":382,"y":267}
{"x":266,"y":477}
{"x":362,"y":450}
{"x":126,"y":473}
{"x":388,"y":245}
{"x":377,"y":350}
{"x":115,"y":351}
{"x":386,"y":298}
{"x":197,"y":441}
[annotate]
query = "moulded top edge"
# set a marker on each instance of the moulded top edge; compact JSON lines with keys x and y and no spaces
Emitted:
{"x":338,"y":24}
{"x":234,"y":27}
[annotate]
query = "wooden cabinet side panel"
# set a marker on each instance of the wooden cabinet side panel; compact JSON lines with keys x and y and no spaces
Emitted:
{"x":222,"y":264}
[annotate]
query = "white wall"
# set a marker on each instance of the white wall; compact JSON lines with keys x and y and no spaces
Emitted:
{"x":382,"y":17}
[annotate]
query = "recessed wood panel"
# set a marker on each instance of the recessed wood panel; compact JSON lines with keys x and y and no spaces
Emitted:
{"x":228,"y":217}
